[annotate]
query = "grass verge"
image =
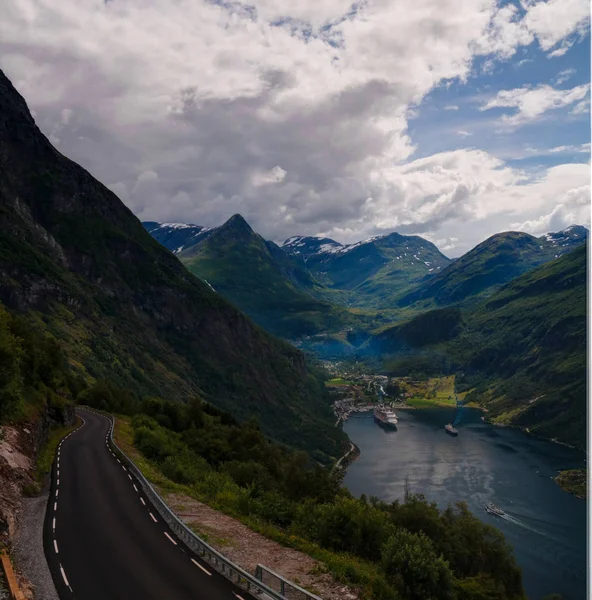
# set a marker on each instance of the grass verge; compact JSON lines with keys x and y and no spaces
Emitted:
{"x":47,"y":452}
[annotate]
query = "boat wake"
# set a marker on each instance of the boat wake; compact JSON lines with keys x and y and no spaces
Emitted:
{"x":524,"y":525}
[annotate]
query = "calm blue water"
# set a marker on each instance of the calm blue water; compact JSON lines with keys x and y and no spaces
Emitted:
{"x":546,"y":526}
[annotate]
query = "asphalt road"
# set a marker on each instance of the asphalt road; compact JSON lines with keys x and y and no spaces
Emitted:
{"x":104,"y":540}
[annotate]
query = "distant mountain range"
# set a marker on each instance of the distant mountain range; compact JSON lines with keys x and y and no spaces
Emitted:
{"x":384,"y":273}
{"x":370,"y":272}
{"x":79,"y":266}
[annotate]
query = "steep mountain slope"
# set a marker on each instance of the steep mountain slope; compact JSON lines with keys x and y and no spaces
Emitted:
{"x":492,"y":263}
{"x":77,"y":262}
{"x":176,"y":236}
{"x":372,"y":271}
{"x":260,"y":279}
{"x":521,"y":352}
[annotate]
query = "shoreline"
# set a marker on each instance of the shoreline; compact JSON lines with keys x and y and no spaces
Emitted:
{"x":527,"y":431}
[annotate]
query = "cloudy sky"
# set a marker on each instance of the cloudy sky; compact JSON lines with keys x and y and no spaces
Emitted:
{"x":452,"y":119}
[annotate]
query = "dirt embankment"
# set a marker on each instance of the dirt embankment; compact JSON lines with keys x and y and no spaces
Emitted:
{"x":247,"y":548}
{"x":17,"y":449}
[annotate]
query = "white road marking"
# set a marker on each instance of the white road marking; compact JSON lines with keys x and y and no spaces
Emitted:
{"x":118,"y":461}
{"x":57,"y":492}
{"x":53,"y":525}
{"x":58,"y":481}
{"x":202,"y":568}
{"x":55,"y":546}
{"x":135,"y":488}
{"x":153,"y":518}
{"x":55,"y":506}
{"x":142,"y":499}
{"x":64,"y":576}
{"x":124,"y":468}
{"x":239,"y":597}
{"x":170,"y":538}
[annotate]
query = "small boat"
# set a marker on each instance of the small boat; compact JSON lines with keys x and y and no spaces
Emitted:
{"x":492,"y":509}
{"x":451,"y":430}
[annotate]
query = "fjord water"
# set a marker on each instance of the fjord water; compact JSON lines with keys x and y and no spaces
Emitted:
{"x":545,"y":525}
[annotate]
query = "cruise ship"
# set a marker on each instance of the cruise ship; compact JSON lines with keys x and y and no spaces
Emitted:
{"x":386,"y":417}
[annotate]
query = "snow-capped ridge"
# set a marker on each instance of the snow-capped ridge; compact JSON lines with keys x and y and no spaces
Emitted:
{"x":178,"y":225}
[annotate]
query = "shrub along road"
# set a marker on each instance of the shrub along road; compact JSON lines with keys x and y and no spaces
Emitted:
{"x":103,"y":538}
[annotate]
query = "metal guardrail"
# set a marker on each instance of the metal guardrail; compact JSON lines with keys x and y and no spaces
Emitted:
{"x":223,"y":565}
{"x":287,"y":589}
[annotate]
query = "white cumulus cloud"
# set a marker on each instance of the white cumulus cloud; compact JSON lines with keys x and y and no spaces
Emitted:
{"x":554,"y":20}
{"x":532,"y":102}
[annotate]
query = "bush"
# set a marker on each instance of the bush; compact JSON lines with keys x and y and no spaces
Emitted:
{"x":185,"y":468}
{"x":156,"y":444}
{"x":412,"y":565}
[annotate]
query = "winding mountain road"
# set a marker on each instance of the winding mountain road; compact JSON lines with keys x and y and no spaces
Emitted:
{"x":104,"y":540}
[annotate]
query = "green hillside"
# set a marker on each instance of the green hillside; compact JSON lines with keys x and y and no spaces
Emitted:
{"x":521,"y":352}
{"x":263,"y":281}
{"x":485,"y":268}
{"x":77,"y":264}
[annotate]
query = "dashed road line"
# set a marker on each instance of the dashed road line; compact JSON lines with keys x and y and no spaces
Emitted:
{"x":53,"y":524}
{"x":153,"y":518}
{"x":202,"y":568}
{"x":170,"y":538}
{"x":239,"y":597}
{"x":64,"y":577}
{"x":143,"y":501}
{"x":55,"y":506}
{"x":135,"y":488}
{"x":55,"y":547}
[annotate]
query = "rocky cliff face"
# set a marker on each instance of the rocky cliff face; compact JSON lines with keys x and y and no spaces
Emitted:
{"x":19,"y":447}
{"x":124,"y":307}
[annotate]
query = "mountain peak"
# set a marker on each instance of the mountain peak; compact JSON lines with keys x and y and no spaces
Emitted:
{"x":236,"y":224}
{"x":237,"y":219}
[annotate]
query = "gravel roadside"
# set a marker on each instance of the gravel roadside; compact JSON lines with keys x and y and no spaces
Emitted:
{"x":28,"y":548}
{"x":247,"y":548}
